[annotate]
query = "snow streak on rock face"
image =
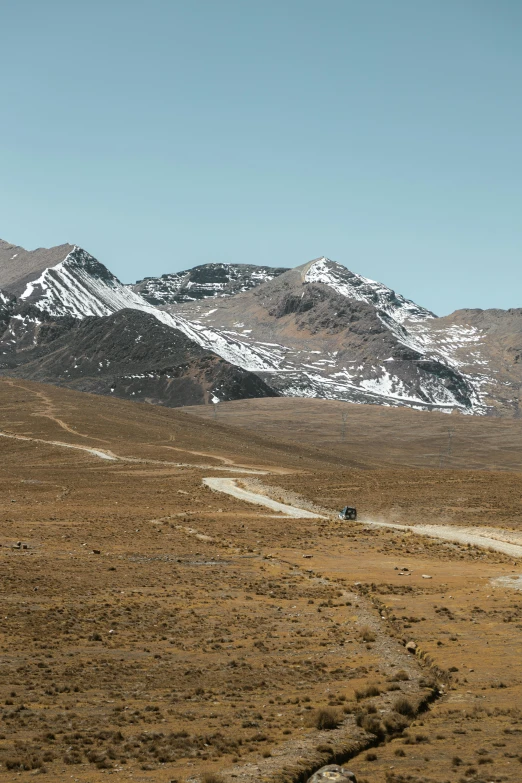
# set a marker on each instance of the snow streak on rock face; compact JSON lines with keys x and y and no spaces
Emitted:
{"x":80,"y":286}
{"x":207,"y":280}
{"x":393,"y":360}
{"x":365,"y":290}
{"x":7,"y":307}
{"x":300,"y":373}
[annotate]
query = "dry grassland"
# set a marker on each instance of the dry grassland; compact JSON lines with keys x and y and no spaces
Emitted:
{"x":154,"y":630}
{"x":374,"y":436}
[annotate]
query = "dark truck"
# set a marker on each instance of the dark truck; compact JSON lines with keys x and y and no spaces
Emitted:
{"x":348,"y":512}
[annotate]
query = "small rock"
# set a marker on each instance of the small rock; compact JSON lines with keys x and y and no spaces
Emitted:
{"x":426,"y":576}
{"x":411,"y":647}
{"x":333,"y":773}
{"x":307,"y":555}
{"x":96,"y":551}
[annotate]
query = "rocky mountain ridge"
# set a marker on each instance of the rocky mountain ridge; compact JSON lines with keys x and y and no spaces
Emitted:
{"x":318,"y":330}
{"x":321,"y":331}
{"x":75,"y":324}
{"x":204,"y":281}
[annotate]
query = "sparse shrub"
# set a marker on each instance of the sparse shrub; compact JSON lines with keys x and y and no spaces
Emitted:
{"x":371,"y":757}
{"x":11,"y":764}
{"x":367,"y":635}
{"x":400,"y":676}
{"x":211,"y":777}
{"x":72,"y":758}
{"x":395,"y":723}
{"x":404,"y":707}
{"x":428,"y":682}
{"x":368,"y":692}
{"x":373,"y":725}
{"x":324,"y":748}
{"x":326,"y":719}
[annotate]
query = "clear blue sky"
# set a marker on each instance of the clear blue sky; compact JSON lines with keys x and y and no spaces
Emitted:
{"x":160,"y":134}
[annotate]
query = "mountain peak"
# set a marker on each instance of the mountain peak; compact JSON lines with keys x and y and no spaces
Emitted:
{"x":79,"y":286}
{"x":19,"y":266}
{"x":355,"y":286}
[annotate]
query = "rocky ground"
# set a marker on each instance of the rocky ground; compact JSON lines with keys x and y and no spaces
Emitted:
{"x":155,"y":630}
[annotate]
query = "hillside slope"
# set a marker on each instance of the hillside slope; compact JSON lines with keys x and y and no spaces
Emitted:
{"x":321,"y":331}
{"x":130,"y":354}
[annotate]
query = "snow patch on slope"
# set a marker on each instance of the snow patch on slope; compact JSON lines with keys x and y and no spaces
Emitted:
{"x":80,"y":286}
{"x":204,"y":281}
{"x":363,"y":289}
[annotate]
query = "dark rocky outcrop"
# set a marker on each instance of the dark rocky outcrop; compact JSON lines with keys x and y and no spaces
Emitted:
{"x":128,"y":354}
{"x":204,"y":281}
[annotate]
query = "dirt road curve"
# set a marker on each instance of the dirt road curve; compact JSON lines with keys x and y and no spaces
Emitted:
{"x":109,"y":455}
{"x":229,"y":486}
{"x":94,"y":452}
{"x":496,"y":539}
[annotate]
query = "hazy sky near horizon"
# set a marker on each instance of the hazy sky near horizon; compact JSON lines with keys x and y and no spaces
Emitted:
{"x":385,"y":134}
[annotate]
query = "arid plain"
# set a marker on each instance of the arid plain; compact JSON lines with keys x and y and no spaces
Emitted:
{"x":155,"y":629}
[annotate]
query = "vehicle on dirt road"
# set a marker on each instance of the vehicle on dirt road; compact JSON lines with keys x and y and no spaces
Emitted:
{"x":348,"y":512}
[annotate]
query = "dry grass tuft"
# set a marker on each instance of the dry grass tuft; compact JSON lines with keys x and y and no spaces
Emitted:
{"x":404,"y":707}
{"x":326,"y":719}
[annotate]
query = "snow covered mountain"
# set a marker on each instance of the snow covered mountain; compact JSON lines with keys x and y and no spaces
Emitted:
{"x":201,"y":282}
{"x":322,"y":331}
{"x":75,"y":324}
{"x":318,"y":330}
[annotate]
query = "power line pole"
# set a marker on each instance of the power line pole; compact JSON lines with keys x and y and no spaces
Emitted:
{"x":447,"y":453}
{"x":344,"y":417}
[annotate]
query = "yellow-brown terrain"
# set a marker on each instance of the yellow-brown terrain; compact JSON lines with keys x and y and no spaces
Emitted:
{"x":153,"y":629}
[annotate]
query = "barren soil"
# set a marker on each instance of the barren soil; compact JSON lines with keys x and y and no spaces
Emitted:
{"x":156,"y":630}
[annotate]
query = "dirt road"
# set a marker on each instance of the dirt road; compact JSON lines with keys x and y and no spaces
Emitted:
{"x":95,"y":452}
{"x":495,"y":539}
{"x":230,"y":487}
